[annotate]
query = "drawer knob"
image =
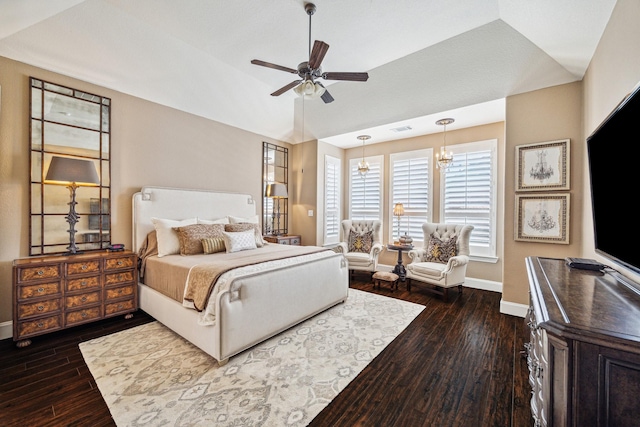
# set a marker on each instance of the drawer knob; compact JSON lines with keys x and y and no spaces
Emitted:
{"x":84,"y":266}
{"x":120,"y":276}
{"x":83,"y":283}
{"x":84,"y":314}
{"x":83,"y":299}
{"x":120,"y":262}
{"x":40,"y":290}
{"x":120,"y":291}
{"x":40,"y":325}
{"x":40,"y":307}
{"x":120,"y":306}
{"x":40,"y":272}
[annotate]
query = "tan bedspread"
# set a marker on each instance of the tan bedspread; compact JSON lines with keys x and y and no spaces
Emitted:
{"x":202,"y":277}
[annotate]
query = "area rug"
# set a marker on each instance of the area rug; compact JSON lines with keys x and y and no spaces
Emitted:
{"x":149,"y":376}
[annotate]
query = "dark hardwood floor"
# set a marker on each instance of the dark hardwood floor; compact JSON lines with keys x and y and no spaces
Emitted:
{"x":457,"y":364}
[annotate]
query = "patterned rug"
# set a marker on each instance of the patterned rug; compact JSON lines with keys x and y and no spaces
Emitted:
{"x":150,"y":376}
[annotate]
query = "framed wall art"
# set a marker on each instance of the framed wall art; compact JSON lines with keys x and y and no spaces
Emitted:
{"x":543,"y":166}
{"x":542,"y":218}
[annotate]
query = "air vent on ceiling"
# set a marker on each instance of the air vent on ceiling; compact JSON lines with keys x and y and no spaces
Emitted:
{"x":401,"y":129}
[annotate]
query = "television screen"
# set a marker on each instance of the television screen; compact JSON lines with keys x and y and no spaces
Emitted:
{"x":614,"y":175}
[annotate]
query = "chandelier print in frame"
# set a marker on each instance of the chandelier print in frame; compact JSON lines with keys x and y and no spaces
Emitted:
{"x":543,"y":166}
{"x":543,"y":218}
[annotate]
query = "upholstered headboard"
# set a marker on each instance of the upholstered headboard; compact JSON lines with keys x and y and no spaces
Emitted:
{"x":179,"y":203}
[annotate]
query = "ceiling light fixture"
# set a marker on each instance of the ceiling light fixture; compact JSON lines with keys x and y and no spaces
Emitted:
{"x":363,"y":166}
{"x":309,"y":89}
{"x":444,"y":159}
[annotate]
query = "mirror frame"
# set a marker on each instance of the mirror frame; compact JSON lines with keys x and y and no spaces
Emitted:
{"x":275,"y":168}
{"x":84,"y":132}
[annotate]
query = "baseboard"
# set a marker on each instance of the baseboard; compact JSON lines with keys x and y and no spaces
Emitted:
{"x":513,"y":309}
{"x":6,"y":330}
{"x":469,"y":282}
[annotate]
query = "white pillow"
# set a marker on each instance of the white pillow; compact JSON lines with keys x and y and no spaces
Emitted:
{"x":224,"y":220}
{"x":168,"y":242}
{"x":235,"y":219}
{"x":239,"y":241}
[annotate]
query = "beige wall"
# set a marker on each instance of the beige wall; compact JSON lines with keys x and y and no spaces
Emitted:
{"x":614,"y":71}
{"x":151,"y":145}
{"x":544,"y":115}
{"x":476,"y":269}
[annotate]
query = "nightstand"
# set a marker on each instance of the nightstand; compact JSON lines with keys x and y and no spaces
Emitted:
{"x":54,"y":292}
{"x":294,"y":240}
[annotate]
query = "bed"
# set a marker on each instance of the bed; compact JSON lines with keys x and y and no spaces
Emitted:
{"x":257,"y":301}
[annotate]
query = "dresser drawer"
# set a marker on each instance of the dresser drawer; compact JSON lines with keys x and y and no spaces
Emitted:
{"x":83,"y":283}
{"x":120,"y":292}
{"x":120,"y":306}
{"x":82,"y":300}
{"x":38,"y":308}
{"x":40,"y":290}
{"x":83,"y":267}
{"x":116,"y":278}
{"x":80,"y":316}
{"x":119,"y":263}
{"x":38,"y":326}
{"x":38,"y":273}
{"x":294,"y":241}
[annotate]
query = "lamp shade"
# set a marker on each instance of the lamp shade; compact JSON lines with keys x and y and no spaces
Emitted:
{"x":276,"y":190}
{"x":65,"y":171}
{"x":398,"y":209}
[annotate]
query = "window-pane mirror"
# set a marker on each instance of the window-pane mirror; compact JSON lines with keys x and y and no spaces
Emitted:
{"x":275,"y":186}
{"x":68,"y":123}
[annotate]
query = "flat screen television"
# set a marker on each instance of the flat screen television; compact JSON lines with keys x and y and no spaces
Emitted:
{"x":615,"y":178}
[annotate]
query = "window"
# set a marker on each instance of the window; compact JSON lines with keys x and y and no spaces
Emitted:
{"x":332,"y":198}
{"x":468,"y":193}
{"x":411,"y":186}
{"x":365,"y":192}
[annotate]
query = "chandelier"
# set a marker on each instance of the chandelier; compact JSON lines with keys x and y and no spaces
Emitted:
{"x":444,"y":159}
{"x":363,"y":166}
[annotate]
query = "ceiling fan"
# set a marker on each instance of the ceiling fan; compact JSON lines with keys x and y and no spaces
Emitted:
{"x":309,"y":71}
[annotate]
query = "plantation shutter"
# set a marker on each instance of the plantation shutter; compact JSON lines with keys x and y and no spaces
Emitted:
{"x":332,"y":200}
{"x":410,"y":185}
{"x":365,"y":192}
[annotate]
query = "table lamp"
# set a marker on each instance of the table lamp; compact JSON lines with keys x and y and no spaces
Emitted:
{"x":72,"y":173}
{"x":398,"y":210}
{"x":277,"y":191}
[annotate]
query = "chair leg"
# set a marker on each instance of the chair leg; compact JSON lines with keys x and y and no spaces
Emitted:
{"x":408,"y":282}
{"x":445,"y":294}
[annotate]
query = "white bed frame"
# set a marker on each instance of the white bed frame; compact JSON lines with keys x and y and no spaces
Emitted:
{"x":257,"y":306}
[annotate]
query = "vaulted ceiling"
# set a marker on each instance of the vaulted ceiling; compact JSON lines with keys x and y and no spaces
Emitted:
{"x":424,"y":57}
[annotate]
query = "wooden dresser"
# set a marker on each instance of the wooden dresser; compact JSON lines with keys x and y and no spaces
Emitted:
{"x":284,"y":240}
{"x":584,"y":352}
{"x":59,"y":291}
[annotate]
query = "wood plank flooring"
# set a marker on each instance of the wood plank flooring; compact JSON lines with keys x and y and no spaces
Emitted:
{"x":457,"y":364}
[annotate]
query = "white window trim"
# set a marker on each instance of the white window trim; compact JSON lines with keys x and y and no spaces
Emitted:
{"x":353,"y":164}
{"x":404,"y":155}
{"x":489,"y":254}
{"x":338,"y":165}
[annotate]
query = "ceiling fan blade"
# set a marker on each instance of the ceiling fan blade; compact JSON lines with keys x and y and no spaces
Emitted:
{"x":274,"y":66}
{"x":286,"y":88}
{"x":354,"y":77}
{"x":318,"y":52}
{"x":326,"y":96}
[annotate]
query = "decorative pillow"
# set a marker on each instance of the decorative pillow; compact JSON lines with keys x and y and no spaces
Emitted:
{"x":246,"y":226}
{"x":440,"y":251}
{"x":360,"y":242}
{"x":168,"y":242}
{"x":240,"y":241}
{"x":190,"y":236}
{"x":212,"y":245}
{"x":236,"y":219}
{"x":224,"y":220}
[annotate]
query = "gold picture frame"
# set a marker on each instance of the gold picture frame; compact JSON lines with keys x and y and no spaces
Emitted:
{"x":543,"y":166}
{"x":542,"y":218}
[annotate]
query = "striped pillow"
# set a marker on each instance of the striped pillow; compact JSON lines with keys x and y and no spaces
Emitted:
{"x":212,"y":245}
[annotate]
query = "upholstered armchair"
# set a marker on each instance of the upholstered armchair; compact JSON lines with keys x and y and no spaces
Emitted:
{"x":361,"y":244}
{"x":442,"y":262}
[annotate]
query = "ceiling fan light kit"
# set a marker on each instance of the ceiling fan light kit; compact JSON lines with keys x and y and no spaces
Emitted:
{"x":310,"y":70}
